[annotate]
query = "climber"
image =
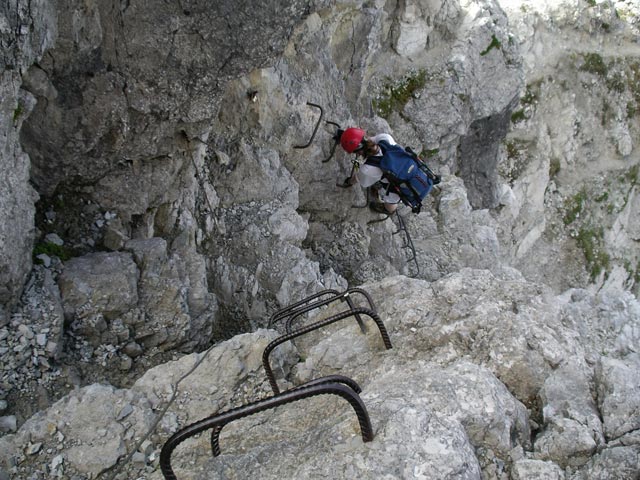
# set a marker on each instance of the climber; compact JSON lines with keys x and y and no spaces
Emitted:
{"x":395,"y":174}
{"x":354,"y":140}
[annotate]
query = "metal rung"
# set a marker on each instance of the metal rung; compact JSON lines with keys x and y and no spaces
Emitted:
{"x":344,"y":296}
{"x":315,"y":326}
{"x":290,"y":309}
{"x":335,"y":385}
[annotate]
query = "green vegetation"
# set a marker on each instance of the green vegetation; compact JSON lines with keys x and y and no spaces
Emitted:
{"x":518,"y":116}
{"x":429,"y":153}
{"x":591,"y":242}
{"x":495,"y":43}
{"x":554,"y":167}
{"x":603,"y":197}
{"x":574,"y":206}
{"x":592,"y":3}
{"x":512,"y":149}
{"x":593,"y":63}
{"x":396,"y":95}
{"x":52,"y":250}
{"x":17,"y":112}
{"x":631,"y":110}
{"x":530,"y":97}
{"x":632,"y":175}
{"x":616,"y":82}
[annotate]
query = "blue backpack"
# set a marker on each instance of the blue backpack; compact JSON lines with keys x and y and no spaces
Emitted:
{"x":408,"y":175}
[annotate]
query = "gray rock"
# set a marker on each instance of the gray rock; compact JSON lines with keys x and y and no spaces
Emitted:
{"x":618,"y":462}
{"x":8,"y":424}
{"x":617,"y":384}
{"x":99,"y":282}
{"x":573,"y":427}
{"x":525,"y":469}
{"x":18,"y":197}
{"x":54,"y":238}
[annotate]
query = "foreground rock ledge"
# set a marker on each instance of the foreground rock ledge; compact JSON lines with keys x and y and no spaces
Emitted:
{"x":470,"y":390}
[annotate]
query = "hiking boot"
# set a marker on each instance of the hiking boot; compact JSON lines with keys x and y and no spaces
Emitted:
{"x":378,"y":208}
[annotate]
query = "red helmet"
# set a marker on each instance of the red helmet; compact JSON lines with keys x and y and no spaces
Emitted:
{"x":351,"y":139}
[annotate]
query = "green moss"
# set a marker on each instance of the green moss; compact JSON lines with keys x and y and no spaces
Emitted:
{"x":518,"y":116}
{"x":554,"y":167}
{"x":429,"y":153}
{"x":18,"y":111}
{"x":616,"y":82}
{"x":632,"y":175}
{"x":530,"y":97}
{"x":631,"y":110}
{"x":591,"y":3}
{"x":590,"y":241}
{"x":574,"y":206}
{"x":602,"y":197}
{"x":52,"y":250}
{"x":396,"y":95}
{"x":593,"y":63}
{"x":495,"y":43}
{"x":512,"y":149}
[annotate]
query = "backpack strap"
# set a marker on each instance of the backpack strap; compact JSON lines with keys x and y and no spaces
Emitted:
{"x":375,"y":160}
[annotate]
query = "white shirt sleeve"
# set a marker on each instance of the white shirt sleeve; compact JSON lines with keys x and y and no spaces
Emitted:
{"x":384,"y":136}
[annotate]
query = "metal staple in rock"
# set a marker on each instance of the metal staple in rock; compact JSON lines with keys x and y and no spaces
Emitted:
{"x":344,"y":296}
{"x":288,"y":310}
{"x":339,"y":387}
{"x":215,"y":432}
{"x":315,"y":326}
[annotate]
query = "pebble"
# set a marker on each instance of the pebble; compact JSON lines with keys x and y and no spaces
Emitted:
{"x":54,"y":238}
{"x":34,"y":448}
{"x":8,"y":424}
{"x":45,"y":259}
{"x":26,"y":331}
{"x":146,"y":447}
{"x":57,"y":462}
{"x":125,"y":412}
{"x":139,"y":457}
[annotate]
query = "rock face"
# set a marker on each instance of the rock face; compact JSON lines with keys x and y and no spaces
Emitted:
{"x":182,"y":203}
{"x":454,"y":396}
{"x":27,"y":29}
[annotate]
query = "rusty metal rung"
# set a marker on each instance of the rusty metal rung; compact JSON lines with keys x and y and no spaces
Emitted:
{"x":338,"y":385}
{"x":290,"y":309}
{"x":315,"y":129}
{"x":315,"y":326}
{"x":344,"y":296}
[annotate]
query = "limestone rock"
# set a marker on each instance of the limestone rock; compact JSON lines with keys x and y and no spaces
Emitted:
{"x":26,"y":30}
{"x":616,"y":381}
{"x":96,"y":289}
{"x":524,"y":469}
{"x":573,"y":427}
